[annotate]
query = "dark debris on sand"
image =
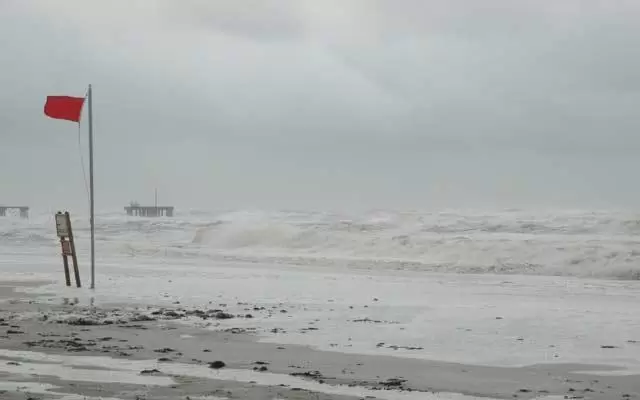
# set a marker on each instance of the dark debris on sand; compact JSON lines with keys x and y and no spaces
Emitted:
{"x":149,"y":371}
{"x":217,"y":364}
{"x":86,"y":316}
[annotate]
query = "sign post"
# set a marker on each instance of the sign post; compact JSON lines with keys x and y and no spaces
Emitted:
{"x":65,"y":233}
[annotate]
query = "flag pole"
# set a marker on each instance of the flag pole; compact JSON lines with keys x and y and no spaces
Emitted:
{"x":91,"y":202}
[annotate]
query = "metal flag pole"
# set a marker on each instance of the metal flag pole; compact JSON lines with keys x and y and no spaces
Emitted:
{"x":91,"y":202}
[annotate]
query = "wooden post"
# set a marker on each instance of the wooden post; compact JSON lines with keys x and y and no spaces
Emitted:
{"x":65,"y":262}
{"x":74,"y":257}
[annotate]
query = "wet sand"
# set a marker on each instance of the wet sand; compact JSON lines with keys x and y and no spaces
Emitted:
{"x":162,"y":358}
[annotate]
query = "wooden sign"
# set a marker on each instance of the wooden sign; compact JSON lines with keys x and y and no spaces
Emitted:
{"x":65,"y":233}
{"x":62,"y":225}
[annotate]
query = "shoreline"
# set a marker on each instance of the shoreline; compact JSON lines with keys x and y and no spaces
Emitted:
{"x":154,"y":335}
{"x":481,"y":320}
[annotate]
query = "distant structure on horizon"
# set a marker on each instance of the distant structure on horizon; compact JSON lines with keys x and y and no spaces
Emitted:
{"x":136,"y":210}
{"x":24,"y":210}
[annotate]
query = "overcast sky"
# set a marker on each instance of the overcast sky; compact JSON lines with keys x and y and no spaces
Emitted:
{"x":325,"y":104}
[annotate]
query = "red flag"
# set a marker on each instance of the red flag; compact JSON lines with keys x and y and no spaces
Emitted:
{"x":64,"y":107}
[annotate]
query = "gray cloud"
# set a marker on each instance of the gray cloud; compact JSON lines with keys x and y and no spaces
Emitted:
{"x":255,"y":19}
{"x":307,"y":103}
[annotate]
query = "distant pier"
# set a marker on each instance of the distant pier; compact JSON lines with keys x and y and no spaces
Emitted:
{"x":24,"y":210}
{"x":136,"y":210}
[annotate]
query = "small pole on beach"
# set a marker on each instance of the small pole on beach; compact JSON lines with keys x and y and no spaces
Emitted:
{"x":91,"y":202}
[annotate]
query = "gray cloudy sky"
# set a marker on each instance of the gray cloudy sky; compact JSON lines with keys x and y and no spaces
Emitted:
{"x":325,"y":104}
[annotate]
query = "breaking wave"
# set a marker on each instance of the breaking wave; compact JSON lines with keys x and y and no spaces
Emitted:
{"x":577,"y":243}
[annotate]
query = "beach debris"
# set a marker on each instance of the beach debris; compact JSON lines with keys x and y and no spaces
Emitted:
{"x":80,"y":321}
{"x":198,"y":313}
{"x":165,"y":350}
{"x":142,"y":318}
{"x":394,"y":347}
{"x":393,"y":382}
{"x":74,"y":345}
{"x":168,"y":314}
{"x":307,"y":374}
{"x":236,"y":331}
{"x":217,"y":364}
{"x":134,"y":326}
{"x":374,"y":321}
{"x":261,"y":366}
{"x":149,"y":371}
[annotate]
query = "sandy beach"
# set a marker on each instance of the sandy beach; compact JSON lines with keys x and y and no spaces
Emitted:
{"x":54,"y":347}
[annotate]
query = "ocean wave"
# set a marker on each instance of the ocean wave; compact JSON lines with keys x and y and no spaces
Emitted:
{"x":574,"y":243}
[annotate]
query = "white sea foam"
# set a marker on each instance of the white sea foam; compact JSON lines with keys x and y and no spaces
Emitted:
{"x":568,"y":243}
